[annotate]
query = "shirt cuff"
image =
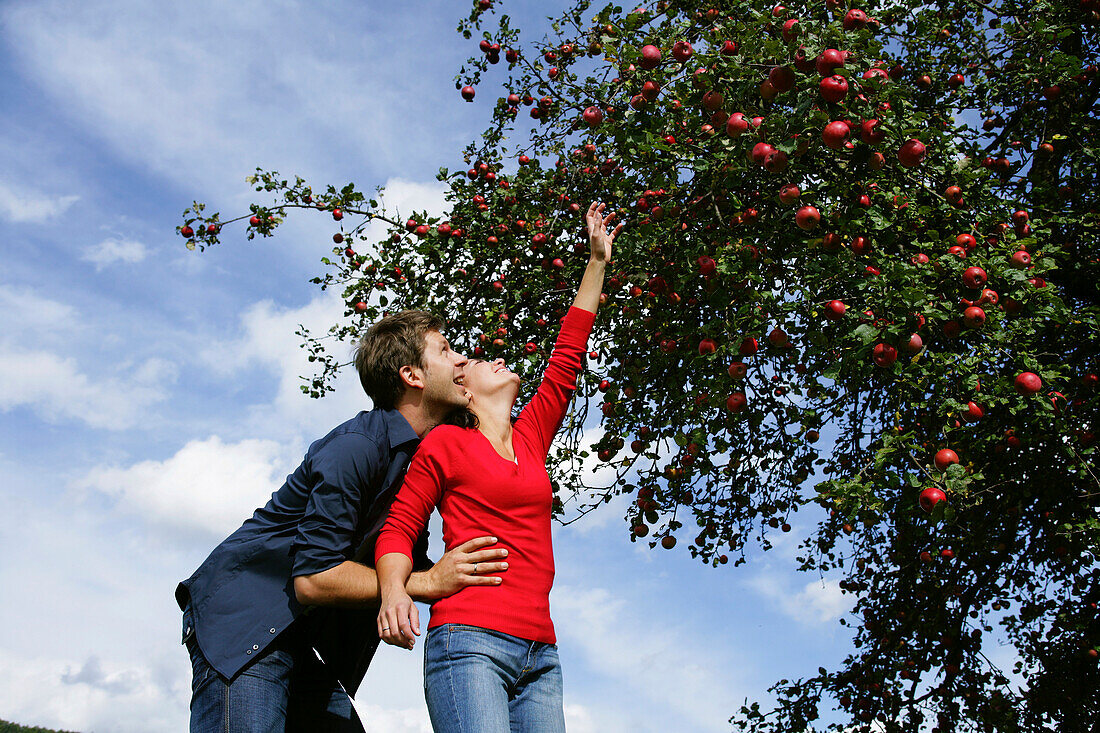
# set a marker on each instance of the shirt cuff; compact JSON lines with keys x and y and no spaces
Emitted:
{"x":386,"y":545}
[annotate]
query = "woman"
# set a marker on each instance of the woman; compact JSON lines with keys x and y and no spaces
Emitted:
{"x":490,"y":660}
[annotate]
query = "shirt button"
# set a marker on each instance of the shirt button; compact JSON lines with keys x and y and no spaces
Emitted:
{"x":247,"y":651}
{"x":272,"y":630}
{"x":255,"y":646}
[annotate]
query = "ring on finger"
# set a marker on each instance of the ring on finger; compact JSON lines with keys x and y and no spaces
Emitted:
{"x":475,"y":567}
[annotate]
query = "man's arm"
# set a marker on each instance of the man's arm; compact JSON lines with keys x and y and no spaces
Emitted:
{"x":354,"y":584}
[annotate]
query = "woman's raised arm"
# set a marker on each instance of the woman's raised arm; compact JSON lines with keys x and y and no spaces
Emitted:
{"x":599,"y":239}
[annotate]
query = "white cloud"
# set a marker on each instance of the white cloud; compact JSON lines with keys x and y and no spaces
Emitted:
{"x":256,"y":87}
{"x":114,"y":250}
{"x":89,"y":695}
{"x":20,"y":205}
{"x":56,"y":389}
{"x":818,"y":602}
{"x":26,"y":314}
{"x":209,"y":487}
{"x":651,"y":654}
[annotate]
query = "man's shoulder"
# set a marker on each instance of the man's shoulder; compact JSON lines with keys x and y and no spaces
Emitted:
{"x":369,"y":426}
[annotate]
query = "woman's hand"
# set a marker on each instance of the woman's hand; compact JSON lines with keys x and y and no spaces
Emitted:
{"x":398,"y":619}
{"x":598,"y":237}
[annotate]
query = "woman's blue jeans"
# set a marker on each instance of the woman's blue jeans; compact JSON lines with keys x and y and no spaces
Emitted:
{"x":482,"y":681}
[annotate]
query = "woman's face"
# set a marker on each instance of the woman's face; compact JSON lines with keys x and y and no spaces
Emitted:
{"x":487,"y":378}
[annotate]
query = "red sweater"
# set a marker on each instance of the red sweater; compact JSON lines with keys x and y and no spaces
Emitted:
{"x":480,"y":493}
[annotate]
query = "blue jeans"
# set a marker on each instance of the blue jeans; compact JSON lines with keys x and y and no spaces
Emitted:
{"x":482,"y":681}
{"x":285,"y":689}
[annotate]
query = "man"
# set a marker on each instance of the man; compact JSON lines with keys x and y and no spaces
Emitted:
{"x":279,"y":620}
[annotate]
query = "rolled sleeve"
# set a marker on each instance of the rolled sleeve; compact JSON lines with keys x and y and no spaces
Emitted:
{"x":339,"y":470}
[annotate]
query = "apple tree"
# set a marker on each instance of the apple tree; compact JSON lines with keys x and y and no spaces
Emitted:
{"x":858,"y":283}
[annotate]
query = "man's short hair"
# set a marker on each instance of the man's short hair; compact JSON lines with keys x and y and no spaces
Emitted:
{"x":393,"y":342}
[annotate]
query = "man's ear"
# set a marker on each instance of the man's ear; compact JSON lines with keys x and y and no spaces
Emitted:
{"x":411,"y":377}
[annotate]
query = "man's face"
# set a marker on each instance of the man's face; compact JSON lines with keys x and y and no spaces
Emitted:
{"x":443,"y":373}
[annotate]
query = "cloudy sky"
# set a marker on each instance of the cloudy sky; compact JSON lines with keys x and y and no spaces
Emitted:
{"x":149,"y":395}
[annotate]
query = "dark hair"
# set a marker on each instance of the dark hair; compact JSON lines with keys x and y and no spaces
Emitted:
{"x":463,"y":417}
{"x":393,"y":342}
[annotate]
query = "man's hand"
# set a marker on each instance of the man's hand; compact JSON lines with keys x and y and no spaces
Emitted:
{"x":463,"y":566}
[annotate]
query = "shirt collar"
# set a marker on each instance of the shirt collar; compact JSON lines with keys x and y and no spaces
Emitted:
{"x":398,"y":428}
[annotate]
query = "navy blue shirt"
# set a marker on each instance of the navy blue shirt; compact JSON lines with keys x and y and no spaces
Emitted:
{"x":330,"y":510}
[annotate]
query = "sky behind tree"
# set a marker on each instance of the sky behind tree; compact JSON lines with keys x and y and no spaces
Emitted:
{"x":149,"y":395}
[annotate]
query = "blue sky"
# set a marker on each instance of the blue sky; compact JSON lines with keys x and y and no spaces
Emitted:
{"x":149,"y":395}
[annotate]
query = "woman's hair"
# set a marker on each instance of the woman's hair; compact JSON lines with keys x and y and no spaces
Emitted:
{"x":463,"y":417}
{"x":393,"y":342}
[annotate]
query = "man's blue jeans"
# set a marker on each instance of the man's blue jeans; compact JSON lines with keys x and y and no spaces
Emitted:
{"x":482,"y":681}
{"x":285,"y":689}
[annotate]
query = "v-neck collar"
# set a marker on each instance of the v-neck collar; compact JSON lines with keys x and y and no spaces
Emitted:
{"x":513,"y":461}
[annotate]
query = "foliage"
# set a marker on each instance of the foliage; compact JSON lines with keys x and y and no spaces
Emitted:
{"x":745,"y":321}
{"x":6,"y":727}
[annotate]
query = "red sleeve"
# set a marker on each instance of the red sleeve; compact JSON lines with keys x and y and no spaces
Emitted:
{"x":413,"y":505}
{"x":542,"y":416}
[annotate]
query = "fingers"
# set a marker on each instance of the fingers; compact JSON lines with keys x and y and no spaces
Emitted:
{"x":388,"y":628}
{"x":484,"y":556}
{"x":399,"y":625}
{"x":474,"y":544}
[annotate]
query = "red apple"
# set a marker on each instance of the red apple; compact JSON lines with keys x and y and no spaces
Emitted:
{"x":974,"y":278}
{"x":790,"y":29}
{"x":187,"y":231}
{"x":736,"y":402}
{"x":913,"y":345}
{"x":835,"y":134}
{"x":760,"y":152}
{"x":775,"y":161}
{"x":651,"y":90}
{"x":911,"y":153}
{"x":651,"y":57}
{"x":860,"y":245}
{"x":871,"y":133}
{"x":1021,"y":260}
{"x":782,"y":78}
{"x":930,"y":497}
{"x":1028,"y":383}
{"x":468,"y":93}
{"x":973,"y":412}
{"x":855,"y":19}
{"x":748,"y":347}
{"x":707,"y":265}
{"x":945,"y":458}
{"x":593,"y":116}
{"x":707,"y":346}
{"x":681,"y":51}
{"x":834,"y":310}
{"x":884,"y":355}
{"x":829,"y":61}
{"x":789,"y":193}
{"x":833,"y":88}
{"x":736,"y":124}
{"x":778,"y":338}
{"x":807,"y":218}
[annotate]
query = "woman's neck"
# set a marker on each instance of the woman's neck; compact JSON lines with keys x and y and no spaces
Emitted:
{"x":495,"y":421}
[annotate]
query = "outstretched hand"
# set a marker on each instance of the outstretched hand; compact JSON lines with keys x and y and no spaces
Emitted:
{"x":599,"y":238}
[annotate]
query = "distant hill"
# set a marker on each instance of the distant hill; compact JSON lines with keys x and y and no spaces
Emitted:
{"x":6,"y":727}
